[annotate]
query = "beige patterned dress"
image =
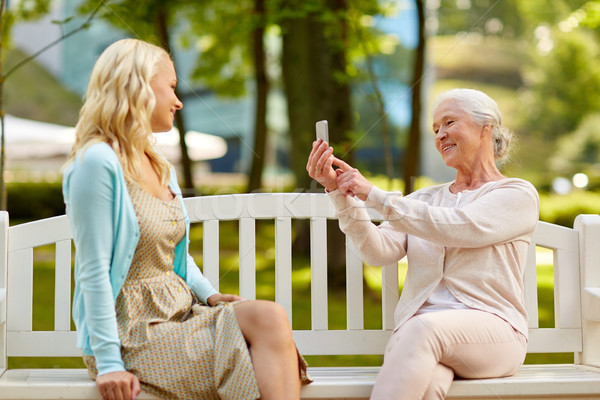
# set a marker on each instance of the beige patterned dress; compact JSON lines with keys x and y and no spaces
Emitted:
{"x":177,"y":347}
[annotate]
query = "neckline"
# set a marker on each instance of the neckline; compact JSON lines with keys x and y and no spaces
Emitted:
{"x":471,"y":190}
{"x":140,"y":188}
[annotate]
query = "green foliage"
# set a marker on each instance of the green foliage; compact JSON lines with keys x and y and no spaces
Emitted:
{"x":31,"y":9}
{"x":565,"y":84}
{"x":222,"y":32}
{"x":482,"y":16}
{"x":545,"y":12}
{"x":554,"y":78}
{"x":28,"y":201}
{"x":579,"y":151}
{"x":23,"y":10}
{"x":562,"y":209}
{"x":385,"y":183}
{"x":135,"y":18}
{"x":589,"y":14}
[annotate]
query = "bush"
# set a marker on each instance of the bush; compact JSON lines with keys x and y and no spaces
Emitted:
{"x":562,"y":209}
{"x":29,"y":200}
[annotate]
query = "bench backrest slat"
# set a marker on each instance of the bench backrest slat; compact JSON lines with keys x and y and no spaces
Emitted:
{"x":530,"y":284}
{"x":554,"y":340}
{"x":318,"y":273}
{"x":210,"y":251}
{"x":62,"y":286}
{"x":247,"y":252}
{"x":567,"y":304}
{"x":20,"y":290}
{"x":42,"y":344}
{"x":564,"y":243}
{"x":281,"y":209}
{"x":354,"y":288}
{"x":283,"y":264}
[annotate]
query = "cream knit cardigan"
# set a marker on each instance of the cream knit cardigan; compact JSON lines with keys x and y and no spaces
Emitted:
{"x":476,"y":241}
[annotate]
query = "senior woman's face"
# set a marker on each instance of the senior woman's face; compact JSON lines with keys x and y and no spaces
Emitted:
{"x":457,"y":137}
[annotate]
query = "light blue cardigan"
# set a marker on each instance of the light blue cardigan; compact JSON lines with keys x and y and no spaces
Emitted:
{"x":106,"y":233}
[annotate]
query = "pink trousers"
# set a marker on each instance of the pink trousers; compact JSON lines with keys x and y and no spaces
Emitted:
{"x":423,"y":356}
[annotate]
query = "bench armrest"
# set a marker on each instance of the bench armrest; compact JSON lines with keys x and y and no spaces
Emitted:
{"x":588,"y":226}
{"x":2,"y":306}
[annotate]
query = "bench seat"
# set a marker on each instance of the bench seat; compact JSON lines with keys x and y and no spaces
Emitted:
{"x":554,"y":381}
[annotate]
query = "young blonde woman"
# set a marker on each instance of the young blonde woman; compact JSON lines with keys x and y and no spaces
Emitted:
{"x":146,"y":317}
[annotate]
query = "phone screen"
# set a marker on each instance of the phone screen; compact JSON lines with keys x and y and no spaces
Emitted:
{"x":322,"y":131}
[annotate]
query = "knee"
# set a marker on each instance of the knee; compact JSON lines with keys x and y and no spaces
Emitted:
{"x":272,"y":316}
{"x":264,"y":320}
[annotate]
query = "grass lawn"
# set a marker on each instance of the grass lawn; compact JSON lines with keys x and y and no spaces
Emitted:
{"x":265,"y":277}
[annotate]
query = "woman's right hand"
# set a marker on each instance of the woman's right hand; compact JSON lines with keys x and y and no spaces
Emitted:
{"x":350,"y":181}
{"x":319,"y":165}
{"x":118,"y":385}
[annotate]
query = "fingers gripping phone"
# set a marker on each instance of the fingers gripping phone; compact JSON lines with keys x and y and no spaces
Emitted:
{"x":322,"y":131}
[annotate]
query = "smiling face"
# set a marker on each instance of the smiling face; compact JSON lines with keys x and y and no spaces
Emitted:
{"x":163,"y":85}
{"x":460,"y":140}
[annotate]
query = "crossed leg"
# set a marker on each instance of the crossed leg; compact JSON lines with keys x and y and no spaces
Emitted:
{"x":266,"y":328}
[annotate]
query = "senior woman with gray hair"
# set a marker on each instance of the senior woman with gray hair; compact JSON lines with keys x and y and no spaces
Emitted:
{"x":461,"y":312}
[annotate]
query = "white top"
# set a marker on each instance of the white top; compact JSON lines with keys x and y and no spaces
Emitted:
{"x":441,"y":298}
{"x":475,"y":242}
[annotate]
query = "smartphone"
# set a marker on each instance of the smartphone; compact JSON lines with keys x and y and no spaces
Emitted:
{"x":322,"y":131}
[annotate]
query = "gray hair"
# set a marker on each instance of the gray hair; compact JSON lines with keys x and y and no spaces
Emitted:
{"x":484,"y":110}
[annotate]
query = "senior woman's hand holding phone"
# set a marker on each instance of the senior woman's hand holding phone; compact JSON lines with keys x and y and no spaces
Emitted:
{"x":319,"y":165}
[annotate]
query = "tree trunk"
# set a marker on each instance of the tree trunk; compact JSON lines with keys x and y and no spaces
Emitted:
{"x":413,"y":149}
{"x":262,"y":90}
{"x":186,"y":164}
{"x":312,"y":65}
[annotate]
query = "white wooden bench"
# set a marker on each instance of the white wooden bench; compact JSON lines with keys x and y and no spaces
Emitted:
{"x":576,"y":260}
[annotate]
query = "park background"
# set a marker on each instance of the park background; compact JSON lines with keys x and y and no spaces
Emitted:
{"x":260,"y":73}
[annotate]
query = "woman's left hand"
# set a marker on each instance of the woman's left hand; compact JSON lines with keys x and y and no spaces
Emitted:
{"x":319,"y":165}
{"x":118,"y":385}
{"x":222,"y":298}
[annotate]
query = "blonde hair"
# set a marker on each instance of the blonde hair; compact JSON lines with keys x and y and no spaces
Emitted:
{"x":118,"y":106}
{"x":485,"y":111}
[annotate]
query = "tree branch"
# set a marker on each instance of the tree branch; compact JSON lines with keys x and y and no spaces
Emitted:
{"x":84,"y":25}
